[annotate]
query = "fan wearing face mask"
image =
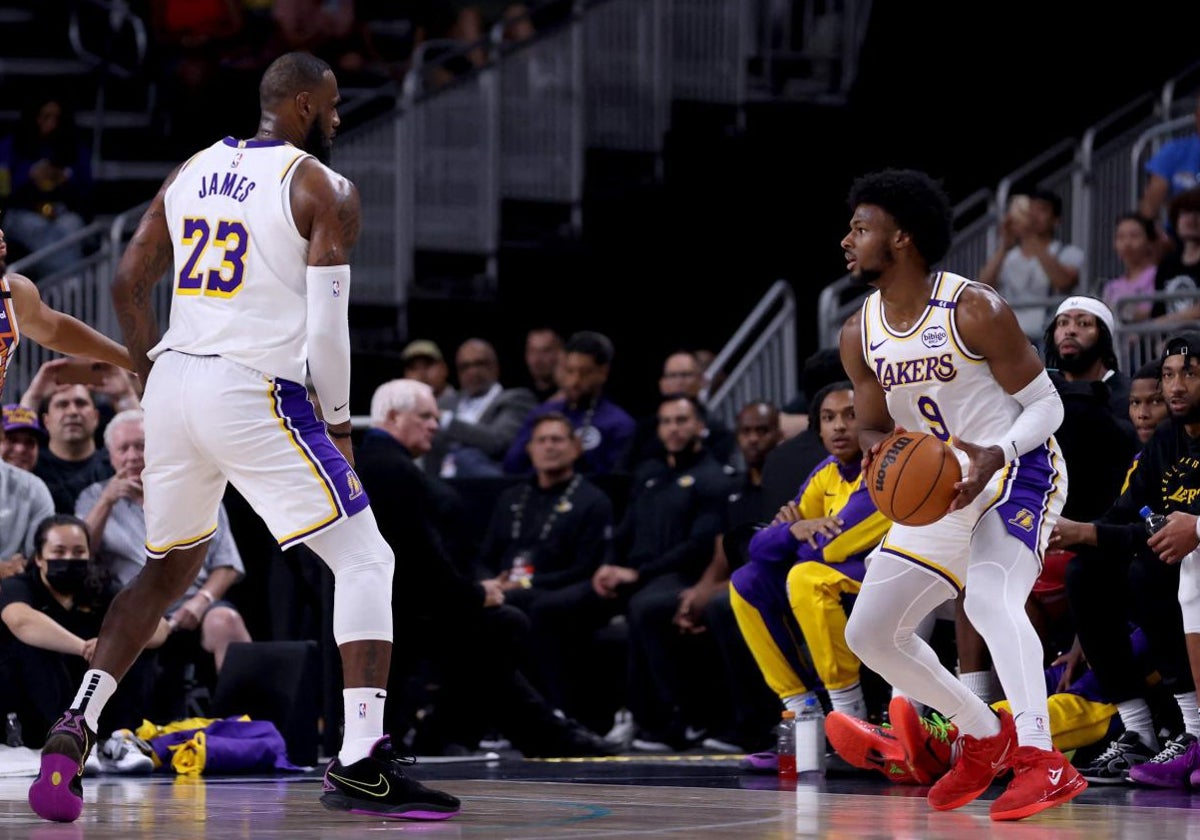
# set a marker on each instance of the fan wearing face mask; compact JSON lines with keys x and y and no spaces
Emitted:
{"x":50,"y":615}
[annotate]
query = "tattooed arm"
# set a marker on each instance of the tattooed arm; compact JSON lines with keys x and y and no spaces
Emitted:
{"x":326,"y":209}
{"x":143,"y":264}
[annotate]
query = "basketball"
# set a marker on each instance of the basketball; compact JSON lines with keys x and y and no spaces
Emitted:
{"x":911,"y":480}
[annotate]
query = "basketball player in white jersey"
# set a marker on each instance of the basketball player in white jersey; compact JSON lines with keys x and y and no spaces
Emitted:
{"x":256,"y":237}
{"x":24,"y":313}
{"x":934,"y":352}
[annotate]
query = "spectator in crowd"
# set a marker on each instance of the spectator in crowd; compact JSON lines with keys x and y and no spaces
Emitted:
{"x":23,"y":437}
{"x":479,"y":422}
{"x":49,"y":181}
{"x":71,"y":460}
{"x":1179,"y":270}
{"x":50,"y":616}
{"x":113,"y":508}
{"x":1116,"y":545}
{"x":803,"y":564}
{"x":603,"y":428}
{"x":1147,"y":405}
{"x":1030,"y":262}
{"x":1174,"y":169}
{"x":661,"y":547}
{"x":1134,"y":241}
{"x":472,"y":638}
{"x":705,"y":607}
{"x":681,"y":374}
{"x":24,"y":503}
{"x":551,"y":530}
{"x":423,"y":361}
{"x":543,"y":357}
{"x":1079,"y":348}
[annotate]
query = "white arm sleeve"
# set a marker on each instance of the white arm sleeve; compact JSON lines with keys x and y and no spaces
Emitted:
{"x":329,"y":338}
{"x":1042,"y":414}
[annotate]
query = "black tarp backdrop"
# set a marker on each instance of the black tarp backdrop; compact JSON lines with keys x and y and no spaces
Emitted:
{"x":680,"y":264}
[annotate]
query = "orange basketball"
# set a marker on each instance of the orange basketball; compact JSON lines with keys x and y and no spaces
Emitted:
{"x":911,"y":480}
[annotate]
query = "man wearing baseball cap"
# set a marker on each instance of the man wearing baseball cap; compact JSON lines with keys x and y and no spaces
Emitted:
{"x":23,"y":437}
{"x":24,"y":498}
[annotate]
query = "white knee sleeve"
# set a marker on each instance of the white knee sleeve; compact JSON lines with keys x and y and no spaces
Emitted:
{"x":1189,"y":592}
{"x":362,"y":564}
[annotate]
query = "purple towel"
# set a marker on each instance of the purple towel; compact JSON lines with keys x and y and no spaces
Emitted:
{"x":231,"y":746}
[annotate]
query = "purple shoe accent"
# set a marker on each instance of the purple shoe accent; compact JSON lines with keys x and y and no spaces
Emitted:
{"x":1171,"y":768}
{"x":760,"y":762}
{"x":51,"y":796}
{"x":1194,"y":779}
{"x":73,"y":723}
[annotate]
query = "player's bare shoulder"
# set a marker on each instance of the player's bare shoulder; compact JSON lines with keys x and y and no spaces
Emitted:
{"x":985,"y":322}
{"x":327,"y":204}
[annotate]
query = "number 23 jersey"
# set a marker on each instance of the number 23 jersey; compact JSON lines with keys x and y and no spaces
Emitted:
{"x":238,"y":279}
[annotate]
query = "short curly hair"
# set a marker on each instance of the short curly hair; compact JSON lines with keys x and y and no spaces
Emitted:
{"x":916,"y":201}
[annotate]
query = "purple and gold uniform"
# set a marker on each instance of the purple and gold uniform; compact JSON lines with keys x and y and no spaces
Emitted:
{"x":915,"y":368}
{"x":225,"y":399}
{"x":10,"y":336}
{"x":790,"y":589}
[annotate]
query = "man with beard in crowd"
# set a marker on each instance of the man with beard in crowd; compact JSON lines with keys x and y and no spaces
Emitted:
{"x":1079,"y":347}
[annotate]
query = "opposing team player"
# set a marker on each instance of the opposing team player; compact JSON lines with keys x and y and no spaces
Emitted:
{"x":256,"y":235}
{"x":23,"y":312}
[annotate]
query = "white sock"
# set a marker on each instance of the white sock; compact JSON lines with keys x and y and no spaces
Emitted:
{"x":1135,"y":717}
{"x":1191,"y":714}
{"x":94,"y":691}
{"x":364,"y":722}
{"x":921,"y":708}
{"x":796,"y":701}
{"x":983,"y":684}
{"x":849,"y":701}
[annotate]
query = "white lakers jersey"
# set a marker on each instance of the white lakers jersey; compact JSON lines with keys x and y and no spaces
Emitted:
{"x":9,"y":334}
{"x":932,"y":381}
{"x":239,"y":260}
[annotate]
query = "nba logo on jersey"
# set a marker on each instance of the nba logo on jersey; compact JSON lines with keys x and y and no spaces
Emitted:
{"x":356,"y":488}
{"x":233,"y":164}
{"x":362,"y":711}
{"x":337,"y":288}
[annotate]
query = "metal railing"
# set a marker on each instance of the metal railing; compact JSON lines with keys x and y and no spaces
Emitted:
{"x":759,"y":360}
{"x":711,"y":45}
{"x":541,"y":114}
{"x":82,"y":290}
{"x":454,"y":109}
{"x":1147,"y":144}
{"x":627,"y":74}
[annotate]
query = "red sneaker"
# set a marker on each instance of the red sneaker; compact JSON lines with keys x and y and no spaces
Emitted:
{"x":927,"y":741}
{"x":979,"y":762}
{"x":868,"y":747}
{"x":1043,"y":779}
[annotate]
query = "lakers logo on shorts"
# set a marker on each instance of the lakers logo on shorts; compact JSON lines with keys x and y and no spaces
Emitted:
{"x":1023,"y":519}
{"x":355,"y":486}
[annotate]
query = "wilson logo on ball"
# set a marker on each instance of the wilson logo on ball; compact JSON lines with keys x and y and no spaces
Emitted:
{"x":890,"y":457}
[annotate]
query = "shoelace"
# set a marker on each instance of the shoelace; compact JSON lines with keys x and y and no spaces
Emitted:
{"x":938,"y":727}
{"x":1173,"y":749}
{"x":1115,"y":750}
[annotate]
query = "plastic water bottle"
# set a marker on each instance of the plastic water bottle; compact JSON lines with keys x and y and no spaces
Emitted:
{"x":1154,"y":521}
{"x":785,"y":745}
{"x":810,"y":738}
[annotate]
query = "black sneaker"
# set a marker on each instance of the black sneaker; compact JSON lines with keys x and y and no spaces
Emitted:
{"x":375,"y":786}
{"x":570,"y":740}
{"x":1112,"y":766}
{"x":57,"y":793}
